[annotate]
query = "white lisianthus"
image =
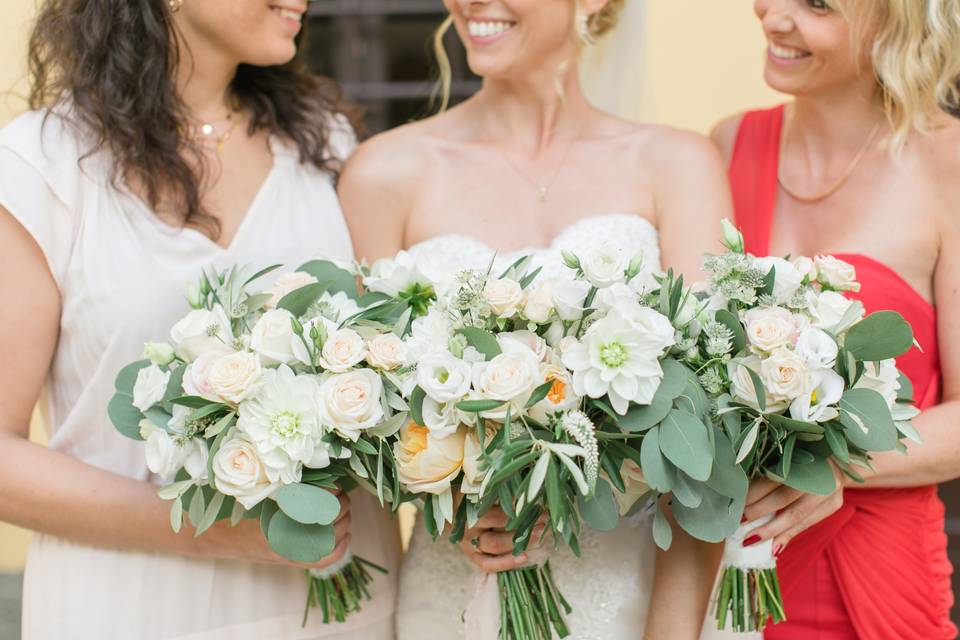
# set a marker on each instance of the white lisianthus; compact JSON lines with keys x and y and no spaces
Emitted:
{"x":426,"y":463}
{"x":272,"y":338}
{"x":635,"y":484}
{"x":604,"y":265}
{"x":538,"y":305}
{"x":769,"y":328}
{"x":741,"y":383}
{"x":394,"y":275}
{"x":569,"y":296}
{"x":560,"y":398}
{"x":350,"y":402}
{"x":836,"y":274}
{"x":785,"y":375}
{"x":528,"y":339}
{"x":342,"y":350}
{"x":806,"y":267}
{"x":614,"y":295}
{"x":504,"y":296}
{"x":441,"y":419}
{"x":429,"y":335}
{"x":286,"y":284}
{"x":882,"y":377}
{"x":200,"y":331}
{"x":386,"y":351}
{"x":820,"y":403}
{"x":817,"y":348}
{"x":283,"y":419}
{"x":829,"y":311}
{"x":509,"y":377}
{"x":150,"y":387}
{"x":620,"y":356}
{"x":555,"y":333}
{"x":196,"y":379}
{"x":444,"y":377}
{"x":159,"y":353}
{"x":164,"y":455}
{"x":196,"y":462}
{"x":787,"y":280}
{"x":234,"y":377}
{"x":238,"y":470}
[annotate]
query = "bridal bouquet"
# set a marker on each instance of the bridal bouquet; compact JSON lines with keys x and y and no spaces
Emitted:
{"x":803,"y":384}
{"x":263,"y":405}
{"x":537,"y":394}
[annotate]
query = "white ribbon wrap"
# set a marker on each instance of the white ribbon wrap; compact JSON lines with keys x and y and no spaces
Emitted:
{"x":481,"y":618}
{"x":333,"y":569}
{"x":757,"y":556}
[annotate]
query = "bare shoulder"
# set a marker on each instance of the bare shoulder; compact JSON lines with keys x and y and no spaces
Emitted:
{"x":941,"y":161}
{"x":724,"y":135}
{"x":386,"y":161}
{"x":678,"y":154}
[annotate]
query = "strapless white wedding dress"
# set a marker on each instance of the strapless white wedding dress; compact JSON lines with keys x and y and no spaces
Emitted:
{"x":609,"y":586}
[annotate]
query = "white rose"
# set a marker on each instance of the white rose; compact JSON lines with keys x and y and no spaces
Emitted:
{"x":605,"y":265}
{"x":239,"y":472}
{"x":425,"y":463}
{"x":820,"y":403}
{"x":560,"y":397}
{"x":805,"y":266}
{"x":272,"y":338}
{"x":882,"y":377}
{"x":509,"y":377}
{"x":350,"y":402}
{"x":828,"y":309}
{"x":150,"y":387}
{"x":444,"y":377}
{"x":817,"y":348}
{"x":504,"y":296}
{"x":770,"y":328}
{"x":636,"y":486}
{"x":836,"y":274}
{"x":742,"y":388}
{"x":234,"y":377}
{"x":785,"y":375}
{"x":200,"y":331}
{"x":288,"y":283}
{"x":159,"y":353}
{"x":386,"y":351}
{"x":196,"y":379}
{"x":787,"y":280}
{"x":568,"y":297}
{"x":538,"y":305}
{"x":164,"y":456}
{"x":441,"y":419}
{"x":527,"y":339}
{"x":343,"y":350}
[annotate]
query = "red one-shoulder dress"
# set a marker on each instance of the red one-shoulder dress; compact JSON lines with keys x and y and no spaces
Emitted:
{"x":878,"y":568}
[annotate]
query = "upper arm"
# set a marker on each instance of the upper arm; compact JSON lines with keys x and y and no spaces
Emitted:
{"x":947,"y":295}
{"x":377,"y":188}
{"x":724,"y":135}
{"x":693,"y":196}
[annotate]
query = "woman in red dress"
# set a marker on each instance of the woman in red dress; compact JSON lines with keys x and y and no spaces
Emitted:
{"x":864,"y":165}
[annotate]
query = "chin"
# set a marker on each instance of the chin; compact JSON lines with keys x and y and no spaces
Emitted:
{"x":274,"y":55}
{"x":788,"y":85}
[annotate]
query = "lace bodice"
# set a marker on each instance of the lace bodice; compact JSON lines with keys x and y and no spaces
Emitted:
{"x":609,"y":586}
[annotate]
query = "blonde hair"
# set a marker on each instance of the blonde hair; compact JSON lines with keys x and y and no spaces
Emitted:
{"x":916,"y":58}
{"x":598,"y":25}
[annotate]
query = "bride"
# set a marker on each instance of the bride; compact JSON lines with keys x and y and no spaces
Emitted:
{"x":529,"y":166}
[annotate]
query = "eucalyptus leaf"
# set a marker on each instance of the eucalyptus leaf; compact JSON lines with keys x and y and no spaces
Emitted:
{"x":879,"y":336}
{"x":308,"y":504}
{"x":127,"y":377}
{"x":600,"y":510}
{"x":686,"y":492}
{"x":815,"y":477}
{"x":124,"y":416}
{"x":685,"y":442}
{"x":662,"y":532}
{"x":838,"y":443}
{"x":640,"y":418}
{"x":483,"y":341}
{"x":307,"y":543}
{"x":715,"y":520}
{"x":789,"y":424}
{"x":675,"y":377}
{"x":337,"y":278}
{"x":867,"y":420}
{"x":298,"y":301}
{"x":657,"y":470}
{"x":728,"y":477}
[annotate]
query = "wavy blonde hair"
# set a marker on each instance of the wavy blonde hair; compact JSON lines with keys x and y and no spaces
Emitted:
{"x":915,"y":54}
{"x":598,"y":25}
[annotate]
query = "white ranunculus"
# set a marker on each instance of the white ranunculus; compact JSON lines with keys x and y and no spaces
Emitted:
{"x":605,"y":265}
{"x":196,"y":379}
{"x":620,"y":356}
{"x":272,"y":338}
{"x":568,"y":297}
{"x":343,"y":350}
{"x":785,"y":375}
{"x":836,"y":274}
{"x":560,"y":398}
{"x":741,"y":383}
{"x":444,"y":377}
{"x":283,"y":419}
{"x":769,"y":328}
{"x":504,"y":296}
{"x":234,"y":377}
{"x":286,"y":284}
{"x":817,"y":348}
{"x":828,"y":309}
{"x":882,"y":377}
{"x":164,"y":455}
{"x":820,"y":403}
{"x":635,"y":483}
{"x":441,"y":419}
{"x":538,"y":305}
{"x":350,"y":402}
{"x":525,"y":338}
{"x":239,"y":471}
{"x":806,"y":267}
{"x":426,"y":463}
{"x":788,"y":277}
{"x":201,"y":331}
{"x":150,"y":387}
{"x":509,"y":377}
{"x":160,"y":353}
{"x":386,"y":351}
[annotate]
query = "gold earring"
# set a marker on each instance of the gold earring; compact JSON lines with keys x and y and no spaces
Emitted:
{"x":174,"y":5}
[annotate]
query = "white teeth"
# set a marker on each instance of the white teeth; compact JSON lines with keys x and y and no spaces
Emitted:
{"x":487,"y":29}
{"x":287,"y":13}
{"x":788,"y":54}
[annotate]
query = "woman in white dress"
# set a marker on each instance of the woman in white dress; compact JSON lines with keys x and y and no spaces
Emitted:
{"x":529,"y":166}
{"x":168,"y":136}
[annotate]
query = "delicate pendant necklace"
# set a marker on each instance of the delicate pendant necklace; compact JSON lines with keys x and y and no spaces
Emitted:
{"x":543,"y":190}
{"x":836,"y":186}
{"x":208,"y":134}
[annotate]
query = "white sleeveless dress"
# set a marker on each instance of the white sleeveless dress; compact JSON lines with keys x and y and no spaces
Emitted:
{"x":122,"y":274}
{"x":609,"y":587}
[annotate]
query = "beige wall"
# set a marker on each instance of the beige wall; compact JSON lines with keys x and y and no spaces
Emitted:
{"x":706,"y":58}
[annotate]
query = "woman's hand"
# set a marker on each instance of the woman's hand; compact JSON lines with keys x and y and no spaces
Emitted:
{"x":490,"y":547}
{"x":794,"y":511}
{"x":245,"y":542}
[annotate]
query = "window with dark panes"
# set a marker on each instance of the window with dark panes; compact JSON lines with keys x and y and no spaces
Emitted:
{"x":381,"y":52}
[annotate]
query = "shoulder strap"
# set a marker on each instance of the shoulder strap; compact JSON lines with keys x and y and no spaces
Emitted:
{"x":753,"y":176}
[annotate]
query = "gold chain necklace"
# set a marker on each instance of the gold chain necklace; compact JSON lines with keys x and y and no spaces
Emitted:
{"x":543,"y":190}
{"x":836,"y":186}
{"x":207,"y":132}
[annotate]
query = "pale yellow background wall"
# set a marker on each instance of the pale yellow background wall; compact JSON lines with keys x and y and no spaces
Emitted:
{"x":706,"y":58}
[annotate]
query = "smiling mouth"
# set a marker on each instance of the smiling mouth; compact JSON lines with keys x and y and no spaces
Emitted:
{"x":489,"y":28}
{"x":288,"y":13}
{"x":787,"y":53}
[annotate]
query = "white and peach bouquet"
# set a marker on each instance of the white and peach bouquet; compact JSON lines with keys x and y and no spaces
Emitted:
{"x":805,"y":387}
{"x":534,"y":393}
{"x":265,"y":403}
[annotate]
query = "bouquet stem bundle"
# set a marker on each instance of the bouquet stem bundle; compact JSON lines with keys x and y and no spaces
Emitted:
{"x":339,"y":590}
{"x":750,"y":597}
{"x":530,"y":605}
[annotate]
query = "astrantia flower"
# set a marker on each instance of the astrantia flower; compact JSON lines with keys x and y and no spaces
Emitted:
{"x":620,"y":356}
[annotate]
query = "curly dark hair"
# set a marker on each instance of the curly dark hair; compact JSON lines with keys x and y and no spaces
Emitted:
{"x":115,"y":60}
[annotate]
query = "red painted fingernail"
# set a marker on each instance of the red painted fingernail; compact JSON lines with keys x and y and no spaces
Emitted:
{"x":743,"y":520}
{"x":752,"y":540}
{"x":777,"y":551}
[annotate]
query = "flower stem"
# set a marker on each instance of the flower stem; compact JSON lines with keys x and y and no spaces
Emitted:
{"x":340,"y":594}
